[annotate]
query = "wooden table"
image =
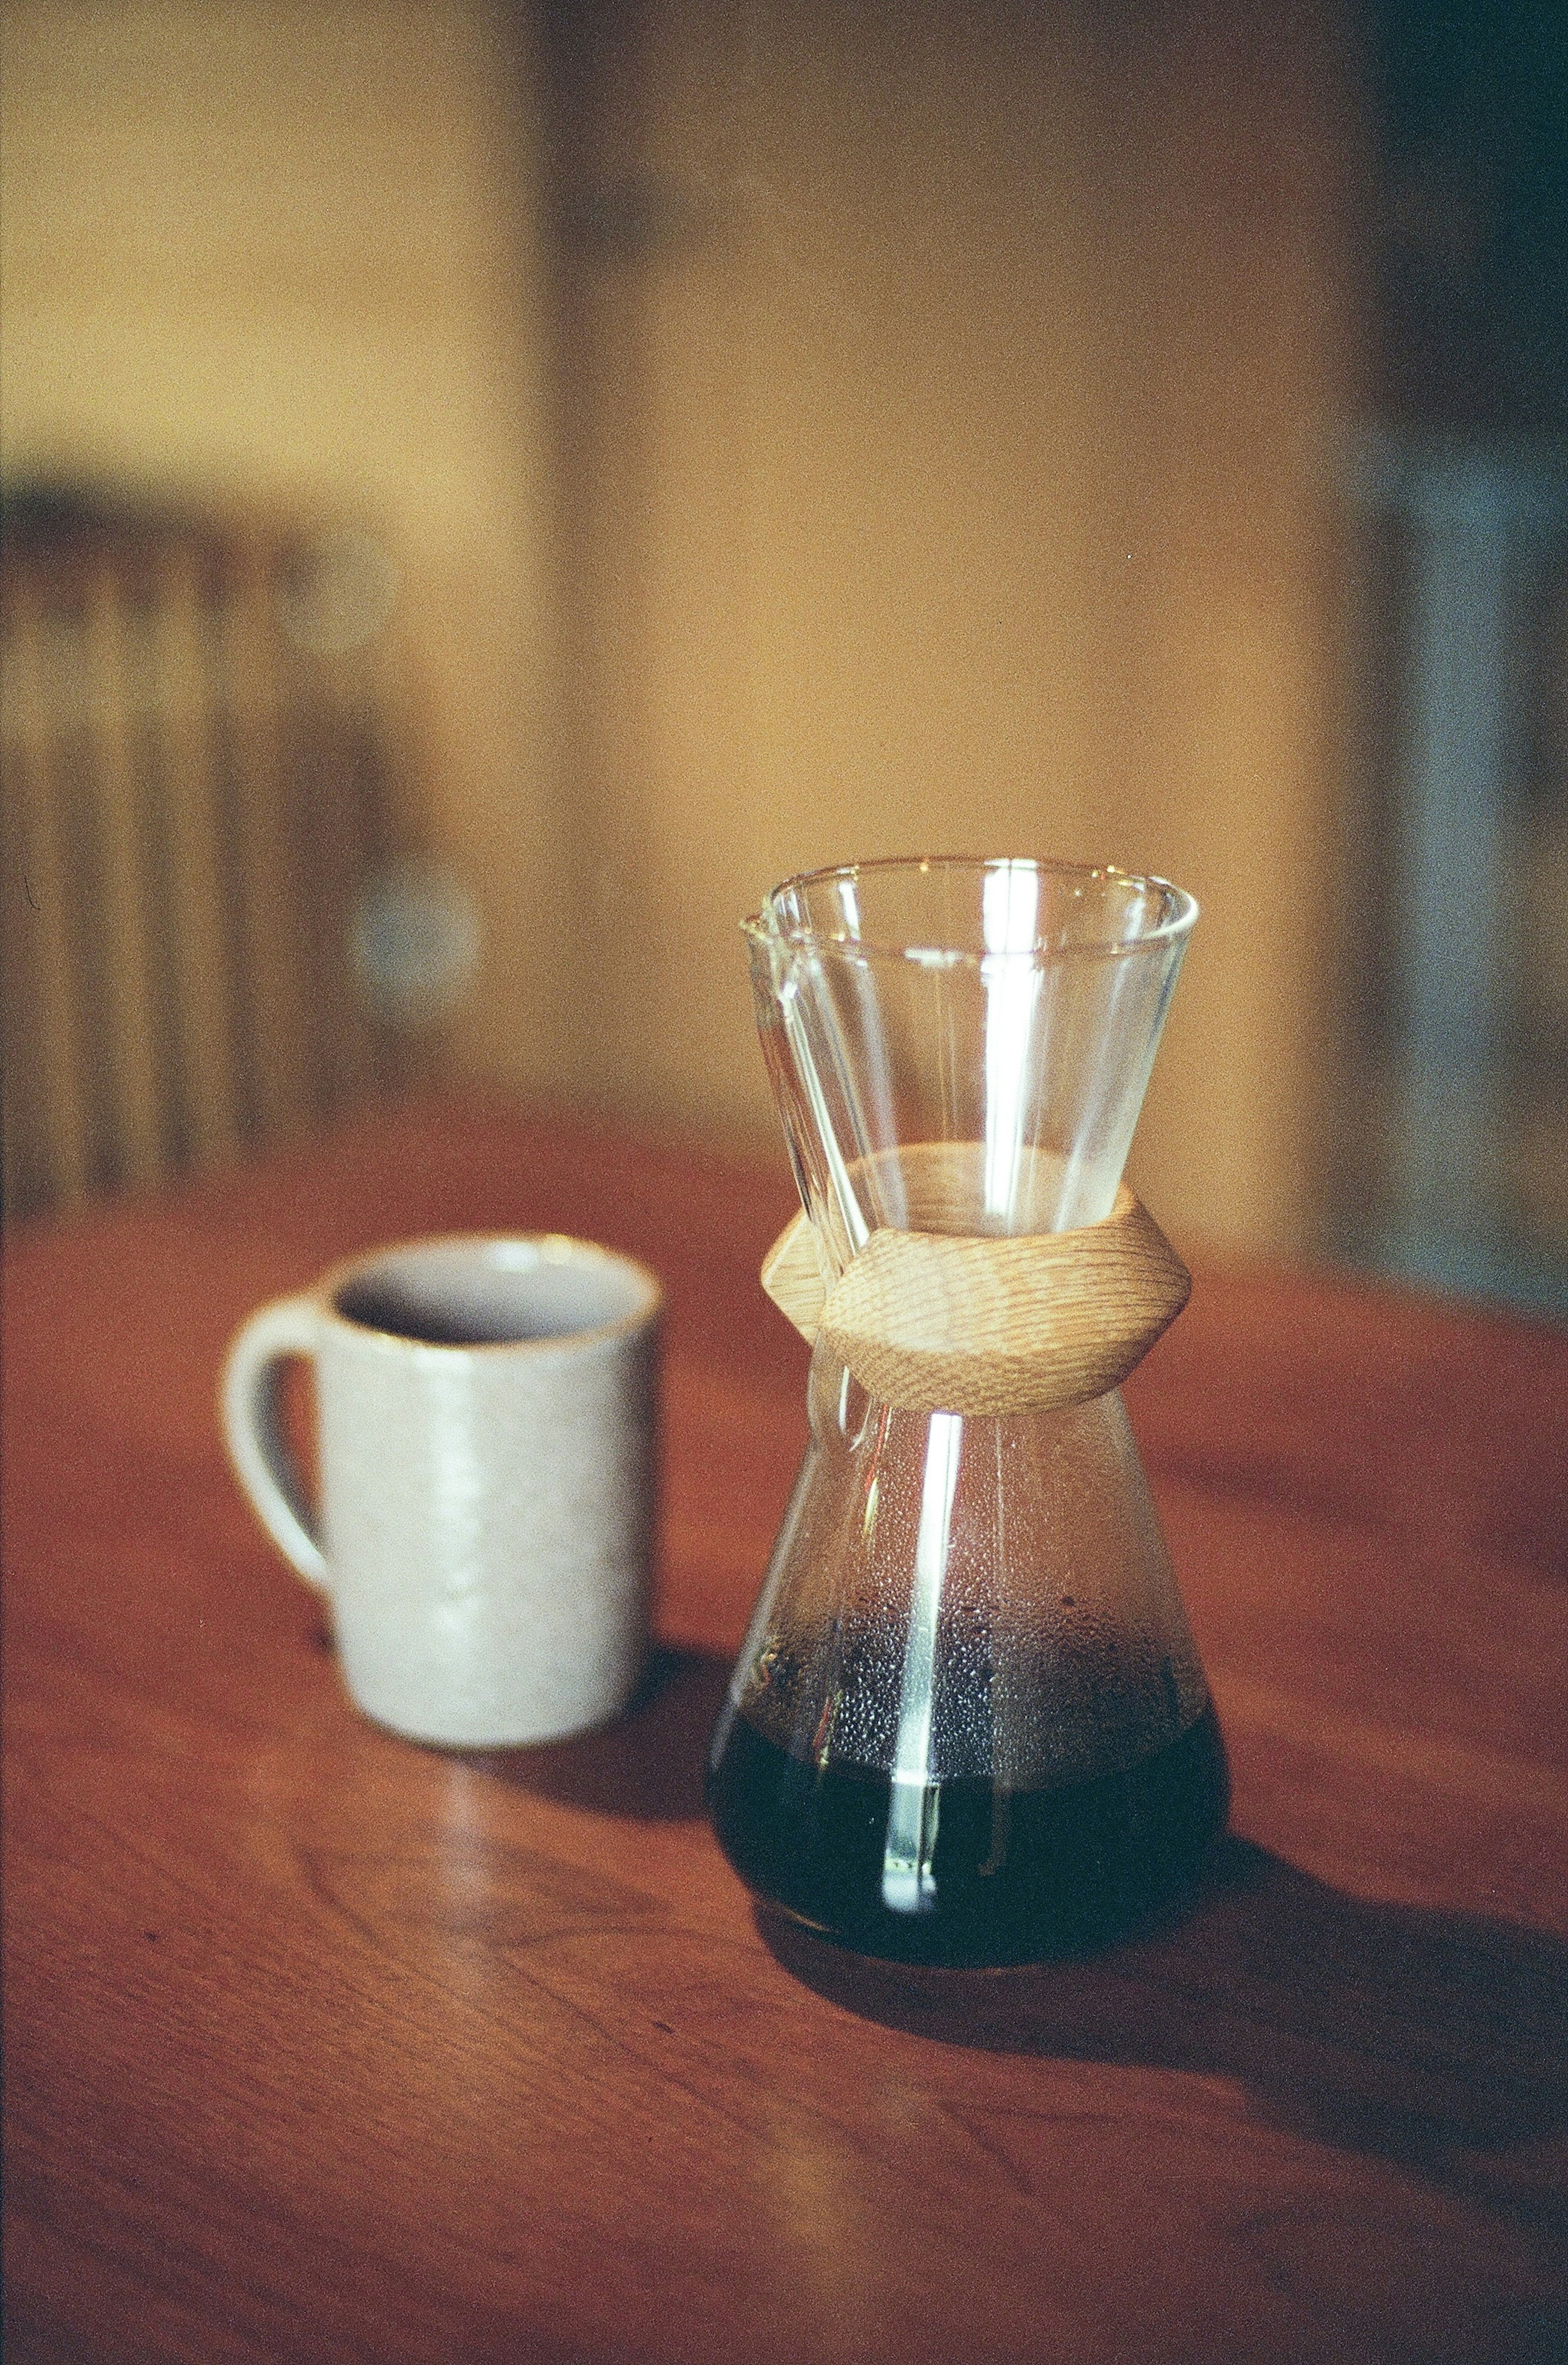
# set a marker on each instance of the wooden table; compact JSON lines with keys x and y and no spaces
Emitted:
{"x":325,"y":2046}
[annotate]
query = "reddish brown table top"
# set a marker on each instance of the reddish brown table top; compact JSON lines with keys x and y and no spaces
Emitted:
{"x":321,"y":2045}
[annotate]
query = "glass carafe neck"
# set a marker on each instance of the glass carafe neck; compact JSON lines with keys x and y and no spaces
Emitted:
{"x":961,"y":1046}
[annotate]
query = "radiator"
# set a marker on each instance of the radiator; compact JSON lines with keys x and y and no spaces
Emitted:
{"x":197,"y":779}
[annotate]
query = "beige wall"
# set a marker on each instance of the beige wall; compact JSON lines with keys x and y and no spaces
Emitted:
{"x":287,"y":251}
{"x":960,"y":476}
{"x":953,"y":472}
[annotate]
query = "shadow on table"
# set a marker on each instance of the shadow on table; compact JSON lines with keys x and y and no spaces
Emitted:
{"x":1381,"y":2028}
{"x":648,"y":1764}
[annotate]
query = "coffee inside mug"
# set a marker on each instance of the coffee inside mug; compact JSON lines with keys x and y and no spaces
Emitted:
{"x":493,"y":1293}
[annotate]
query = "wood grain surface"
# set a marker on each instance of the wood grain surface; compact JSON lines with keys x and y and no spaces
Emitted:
{"x":321,"y":2045}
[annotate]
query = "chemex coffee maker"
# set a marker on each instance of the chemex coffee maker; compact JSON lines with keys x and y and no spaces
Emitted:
{"x":968,"y":1723}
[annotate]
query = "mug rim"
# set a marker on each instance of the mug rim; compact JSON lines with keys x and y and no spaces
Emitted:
{"x":338,"y":1275}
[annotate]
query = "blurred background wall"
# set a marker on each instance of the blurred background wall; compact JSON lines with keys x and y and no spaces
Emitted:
{"x":954,"y":393}
{"x":800,"y":432}
{"x":287,"y":256}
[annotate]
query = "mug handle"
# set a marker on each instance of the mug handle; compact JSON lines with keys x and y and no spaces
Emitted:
{"x":252,"y":1402}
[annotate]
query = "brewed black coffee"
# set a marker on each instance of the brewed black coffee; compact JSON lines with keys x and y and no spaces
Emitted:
{"x":491,"y":1294}
{"x":999,"y":1873}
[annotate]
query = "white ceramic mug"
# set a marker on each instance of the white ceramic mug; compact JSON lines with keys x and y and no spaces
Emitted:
{"x":486,"y":1416}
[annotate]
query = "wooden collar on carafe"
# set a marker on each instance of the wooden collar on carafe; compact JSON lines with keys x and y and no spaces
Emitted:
{"x":935,"y":1321}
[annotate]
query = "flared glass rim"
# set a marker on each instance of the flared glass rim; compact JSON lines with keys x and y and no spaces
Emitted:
{"x":764,"y":926}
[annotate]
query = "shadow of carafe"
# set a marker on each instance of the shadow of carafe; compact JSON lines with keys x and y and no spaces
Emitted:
{"x":1413,"y":2035}
{"x":648,"y":1763}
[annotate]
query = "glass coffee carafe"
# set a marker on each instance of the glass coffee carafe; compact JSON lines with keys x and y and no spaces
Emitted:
{"x":968,"y":1723}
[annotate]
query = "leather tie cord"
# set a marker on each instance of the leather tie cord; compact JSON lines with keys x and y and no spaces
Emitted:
{"x":934,"y":1322}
